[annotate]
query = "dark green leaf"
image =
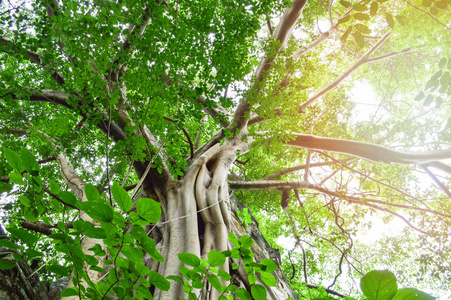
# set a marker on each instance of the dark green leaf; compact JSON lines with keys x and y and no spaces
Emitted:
{"x":427,"y":3}
{"x":6,"y":264}
{"x":121,"y":197}
{"x":433,"y":10}
{"x":345,"y":35}
{"x":67,"y":197}
{"x":8,"y":244}
{"x":69,"y":292}
{"x":23,"y":235}
{"x":379,"y":285}
{"x":441,"y":4}
{"x":58,"y":270}
{"x":95,"y":233}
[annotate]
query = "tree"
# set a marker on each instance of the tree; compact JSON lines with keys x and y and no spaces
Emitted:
{"x":126,"y":124}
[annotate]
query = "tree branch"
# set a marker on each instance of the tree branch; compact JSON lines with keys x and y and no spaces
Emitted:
{"x":302,"y":167}
{"x":435,"y":179}
{"x":50,"y":96}
{"x":366,"y":150}
{"x":268,"y":185}
{"x":33,"y":56}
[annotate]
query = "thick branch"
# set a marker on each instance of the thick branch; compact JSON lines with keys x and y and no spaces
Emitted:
{"x":50,"y":96}
{"x":367,"y":151}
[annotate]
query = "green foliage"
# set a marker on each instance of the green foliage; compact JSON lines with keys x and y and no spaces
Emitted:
{"x":207,"y":271}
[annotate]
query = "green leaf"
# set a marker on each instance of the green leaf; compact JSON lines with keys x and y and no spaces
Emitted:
{"x":17,"y":179}
{"x":345,"y":35}
{"x":359,"y":7}
{"x":362,"y":28}
{"x":346,"y":4}
{"x":23,"y":235}
{"x":69,"y":292}
{"x":58,"y":270}
{"x":373,"y":8}
{"x":148,"y":245}
{"x":148,"y":209}
{"x":420,"y":96}
{"x":143,"y":291}
{"x":271,"y":266}
{"x":189,"y":259}
{"x":412,"y":294}
{"x":268,"y":279}
{"x":224,"y":275}
{"x":361,"y":17}
{"x":441,"y":4}
{"x":428,"y":100}
{"x":246,"y":241}
{"x":252,"y":278}
{"x":95,"y":233}
{"x":379,"y":285}
{"x":25,"y":201}
{"x":427,"y":3}
{"x":258,"y":291}
{"x":8,"y":244}
{"x":243,"y":294}
{"x":5,"y":264}
{"x":29,"y":161}
{"x":121,"y":197}
{"x":401,"y":20}
{"x":214,"y":281}
{"x":159,"y":281}
{"x":344,"y":20}
{"x":13,"y":160}
{"x":92,"y":194}
{"x":216,"y":258}
{"x":175,"y":278}
{"x":67,"y":197}
{"x":99,"y":211}
{"x":359,"y":39}
{"x":132,"y":253}
{"x":390,"y":21}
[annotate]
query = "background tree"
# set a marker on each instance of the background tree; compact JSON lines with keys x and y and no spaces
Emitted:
{"x":144,"y":116}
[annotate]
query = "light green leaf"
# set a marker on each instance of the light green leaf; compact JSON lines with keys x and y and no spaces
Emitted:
{"x":132,"y":253}
{"x":390,"y":21}
{"x":122,"y":198}
{"x":359,"y":7}
{"x":92,"y":194}
{"x":159,"y":281}
{"x":99,"y":211}
{"x":148,"y":209}
{"x":268,"y":279}
{"x":13,"y":160}
{"x":214,"y":281}
{"x":216,"y":258}
{"x":258,"y":291}
{"x":379,"y":285}
{"x":373,"y":8}
{"x":29,"y":161}
{"x":243,"y":294}
{"x":412,"y":294}
{"x":189,"y":259}
{"x":271,"y":266}
{"x":359,"y":39}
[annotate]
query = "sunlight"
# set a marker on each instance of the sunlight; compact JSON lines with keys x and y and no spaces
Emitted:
{"x":365,"y":100}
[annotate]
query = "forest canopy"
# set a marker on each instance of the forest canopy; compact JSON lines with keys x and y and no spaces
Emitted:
{"x":215,"y":149}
